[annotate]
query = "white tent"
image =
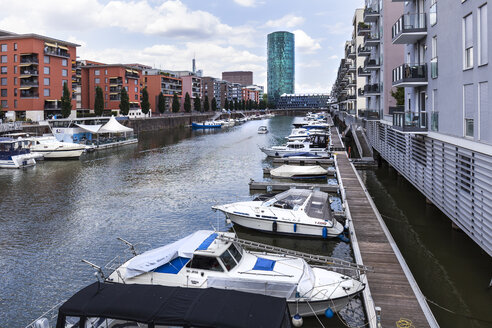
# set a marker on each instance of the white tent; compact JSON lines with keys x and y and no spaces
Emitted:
{"x":114,"y":127}
{"x":90,"y":128}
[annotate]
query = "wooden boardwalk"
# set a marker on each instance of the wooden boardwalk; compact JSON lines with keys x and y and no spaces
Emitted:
{"x":389,"y":286}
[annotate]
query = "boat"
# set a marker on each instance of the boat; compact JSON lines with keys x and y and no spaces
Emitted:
{"x":262,"y":129}
{"x":51,"y":148}
{"x":14,"y":153}
{"x":299,"y":172}
{"x":299,"y":212}
{"x":206,"y":125}
{"x":303,"y":133}
{"x":110,"y":305}
{"x":210,"y":259}
{"x":293,"y":147}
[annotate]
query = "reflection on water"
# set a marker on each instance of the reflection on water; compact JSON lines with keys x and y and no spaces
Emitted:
{"x":157,"y":191}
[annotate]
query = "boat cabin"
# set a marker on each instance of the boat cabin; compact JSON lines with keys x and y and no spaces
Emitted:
{"x":10,"y":147}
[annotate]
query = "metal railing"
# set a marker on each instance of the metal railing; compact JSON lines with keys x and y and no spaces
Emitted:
{"x":434,"y":68}
{"x":56,"y":52}
{"x":13,"y":126}
{"x":410,"y":72}
{"x":409,"y":23}
{"x":410,"y":121}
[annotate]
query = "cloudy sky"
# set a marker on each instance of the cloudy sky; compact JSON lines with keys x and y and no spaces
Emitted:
{"x":224,"y":35}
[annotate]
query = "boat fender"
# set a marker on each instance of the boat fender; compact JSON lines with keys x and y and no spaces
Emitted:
{"x":228,"y":221}
{"x":295,"y":227}
{"x":325,"y":233}
{"x":329,"y":313}
{"x":297,"y":320}
{"x":343,"y":238}
{"x":274,"y":226}
{"x":276,"y":154}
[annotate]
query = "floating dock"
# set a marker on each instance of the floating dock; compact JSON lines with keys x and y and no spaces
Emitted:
{"x":391,"y":285}
{"x":330,"y":172}
{"x":323,"y":162}
{"x":270,"y":186}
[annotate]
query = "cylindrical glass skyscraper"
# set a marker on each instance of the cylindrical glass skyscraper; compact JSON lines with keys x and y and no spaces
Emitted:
{"x":281,"y":65}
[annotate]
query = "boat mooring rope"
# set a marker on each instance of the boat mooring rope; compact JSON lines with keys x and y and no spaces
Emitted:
{"x":456,"y":313}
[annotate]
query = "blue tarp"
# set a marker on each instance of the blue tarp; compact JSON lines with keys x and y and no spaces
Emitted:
{"x":173,"y":266}
{"x":207,"y":242}
{"x":264,"y":264}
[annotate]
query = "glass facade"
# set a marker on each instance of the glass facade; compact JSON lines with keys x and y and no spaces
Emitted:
{"x":281,"y":65}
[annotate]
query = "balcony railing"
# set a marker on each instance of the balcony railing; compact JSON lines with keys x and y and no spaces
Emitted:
{"x":29,"y":60}
{"x":29,"y":83}
{"x":132,"y":75}
{"x":371,"y":14}
{"x":363,"y":51}
{"x":29,"y":94}
{"x":368,"y":114}
{"x":29,"y":72}
{"x":371,"y":64}
{"x":434,"y":70}
{"x":362,"y":72}
{"x":434,"y":121}
{"x":363,"y":28}
{"x":410,"y":121}
{"x":409,"y":28}
{"x":56,"y":52}
{"x":410,"y":75}
{"x":371,"y":40}
{"x":372,"y":89}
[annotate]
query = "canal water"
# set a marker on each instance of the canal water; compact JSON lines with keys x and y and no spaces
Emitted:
{"x":55,"y":214}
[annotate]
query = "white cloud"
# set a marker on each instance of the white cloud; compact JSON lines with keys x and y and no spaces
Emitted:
{"x":340,"y":29}
{"x":306,"y":44}
{"x":247,"y":3}
{"x":333,"y":57}
{"x":288,"y":21}
{"x":312,"y":88}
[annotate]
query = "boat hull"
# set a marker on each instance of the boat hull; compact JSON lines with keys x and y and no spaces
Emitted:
{"x":283,"y":227}
{"x":205,"y":126}
{"x":17,"y":162}
{"x":61,"y":154}
{"x":317,"y":307}
{"x":281,"y":153}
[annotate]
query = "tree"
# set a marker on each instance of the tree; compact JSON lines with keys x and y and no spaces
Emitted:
{"x":99,"y":102}
{"x":175,"y":105}
{"x":206,"y":104}
{"x":399,"y":96}
{"x":124,"y":102}
{"x":145,"y":101}
{"x":236,"y":104}
{"x":226,"y":105}
{"x":243,"y":105}
{"x":197,"y":106}
{"x":161,"y":103}
{"x":187,"y":103}
{"x":214,"y":104}
{"x":66,"y":101}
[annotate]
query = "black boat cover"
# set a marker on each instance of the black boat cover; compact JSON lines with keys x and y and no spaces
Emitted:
{"x":176,"y":306}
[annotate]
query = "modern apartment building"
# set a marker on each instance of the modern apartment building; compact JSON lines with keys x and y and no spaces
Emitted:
{"x":241,"y":77}
{"x":192,"y":84}
{"x":250,"y":93}
{"x":211,"y":89}
{"x":314,"y":101}
{"x":112,"y":79}
{"x":281,"y":65}
{"x":33,"y":69}
{"x":157,"y":81}
{"x":441,"y":139}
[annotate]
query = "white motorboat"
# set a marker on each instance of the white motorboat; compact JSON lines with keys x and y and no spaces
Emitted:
{"x":303,"y":133}
{"x":51,"y":148}
{"x":262,"y":129}
{"x":299,"y":172}
{"x":299,"y":212}
{"x":216,"y":259}
{"x":14,"y":154}
{"x":295,"y":147}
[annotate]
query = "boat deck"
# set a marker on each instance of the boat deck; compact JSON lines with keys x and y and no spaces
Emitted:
{"x":391,"y":284}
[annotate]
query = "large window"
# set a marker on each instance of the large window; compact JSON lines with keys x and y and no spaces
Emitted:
{"x":46,"y":59}
{"x":4,"y":69}
{"x":469,"y":112}
{"x":64,"y":72}
{"x":4,"y":58}
{"x":46,"y":70}
{"x":4,"y":81}
{"x":483,"y":54}
{"x":46,"y":81}
{"x":97,"y":80}
{"x":468,"y":42}
{"x":4,"y":93}
{"x":46,"y":92}
{"x":4,"y":47}
{"x":64,"y":62}
{"x":433,"y":13}
{"x":434,"y":71}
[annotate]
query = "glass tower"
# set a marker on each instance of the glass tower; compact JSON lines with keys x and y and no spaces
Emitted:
{"x":281,"y":65}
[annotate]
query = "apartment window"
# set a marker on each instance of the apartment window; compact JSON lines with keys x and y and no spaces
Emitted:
{"x":64,"y":72}
{"x":4,"y":58}
{"x":484,"y":112}
{"x":15,"y":92}
{"x":136,"y":82}
{"x":126,"y":88}
{"x":46,"y":59}
{"x":15,"y":103}
{"x":15,"y":46}
{"x":105,"y":72}
{"x":46,"y":92}
{"x":15,"y":58}
{"x":63,"y":82}
{"x":106,"y":80}
{"x":97,"y":80}
{"x":15,"y":81}
{"x":4,"y":93}
{"x":434,"y":71}
{"x":468,"y":41}
{"x":15,"y":69}
{"x":106,"y":88}
{"x":136,"y":97}
{"x":469,"y":113}
{"x":106,"y":96}
{"x":4,"y":69}
{"x":136,"y":89}
{"x":5,"y":104}
{"x":483,"y":55}
{"x":4,"y":48}
{"x":433,"y":13}
{"x":97,"y":72}
{"x":46,"y":70}
{"x":46,"y":81}
{"x":126,"y":81}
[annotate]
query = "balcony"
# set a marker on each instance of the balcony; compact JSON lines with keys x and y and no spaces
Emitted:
{"x":352,"y":68}
{"x":371,"y":14}
{"x":371,"y":65}
{"x":52,"y":105}
{"x":410,"y":75}
{"x":409,"y":29}
{"x":132,"y":75}
{"x":410,"y":121}
{"x":362,"y":51}
{"x":115,"y":81}
{"x":363,"y":29}
{"x":115,"y":90}
{"x":28,"y":59}
{"x":30,"y":82}
{"x":368,"y":114}
{"x":371,"y":40}
{"x":56,"y":51}
{"x":370,"y":90}
{"x":362,"y":72}
{"x":29,"y":92}
{"x":351,"y":54}
{"x":27,"y":72}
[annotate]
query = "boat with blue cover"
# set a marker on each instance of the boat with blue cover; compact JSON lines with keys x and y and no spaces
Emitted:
{"x":207,"y":259}
{"x":14,"y":154}
{"x":206,"y":125}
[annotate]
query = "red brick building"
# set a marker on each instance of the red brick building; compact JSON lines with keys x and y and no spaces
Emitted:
{"x":111,"y":79}
{"x":33,"y":69}
{"x":241,"y":77}
{"x":251,"y":94}
{"x":158,"y":81}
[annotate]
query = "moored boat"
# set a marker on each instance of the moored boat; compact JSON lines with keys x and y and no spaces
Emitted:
{"x":262,"y":129}
{"x":296,"y":146}
{"x":206,"y":125}
{"x":299,"y":172}
{"x":14,"y":154}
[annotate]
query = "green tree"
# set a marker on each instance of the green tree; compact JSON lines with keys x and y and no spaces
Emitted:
{"x":197,"y":106}
{"x":236,"y":104}
{"x":161,"y":106}
{"x":187,"y":103}
{"x":206,"y":104}
{"x":124,"y":102}
{"x":175,"y":105}
{"x":399,"y":96}
{"x":243,"y":105}
{"x":66,"y":101}
{"x":214,"y":104}
{"x":145,"y":101}
{"x":265,"y":98}
{"x":226,"y":105}
{"x":99,"y":102}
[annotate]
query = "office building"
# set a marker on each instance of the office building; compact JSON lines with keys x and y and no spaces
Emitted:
{"x":281,"y":65}
{"x":241,"y":77}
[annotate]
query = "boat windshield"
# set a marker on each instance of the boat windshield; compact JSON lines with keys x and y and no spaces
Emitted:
{"x":318,"y":206}
{"x":231,"y":257}
{"x":290,"y":199}
{"x":205,"y":263}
